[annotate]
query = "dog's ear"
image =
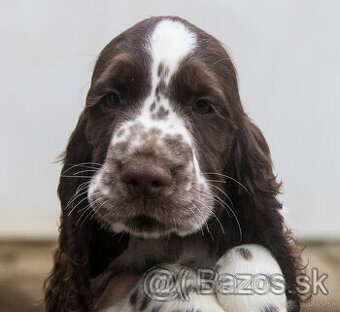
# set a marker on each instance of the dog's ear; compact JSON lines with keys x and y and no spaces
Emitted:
{"x":84,"y":247}
{"x":66,"y":289}
{"x":77,"y":155}
{"x":255,"y":201}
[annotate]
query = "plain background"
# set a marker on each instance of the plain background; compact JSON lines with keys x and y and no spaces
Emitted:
{"x":287,"y":54}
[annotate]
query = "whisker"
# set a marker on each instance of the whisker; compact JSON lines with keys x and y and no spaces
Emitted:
{"x":87,"y":170}
{"x":219,"y":201}
{"x":84,"y":165}
{"x":86,"y":209}
{"x":75,"y":176}
{"x":229,"y":177}
{"x":236,"y":219}
{"x":217,"y":219}
{"x":96,"y":209}
{"x":227,"y":208}
{"x":224,"y":193}
{"x":73,"y":208}
{"x":80,"y":188}
{"x":86,"y":216}
{"x":200,"y":220}
{"x":92,"y":205}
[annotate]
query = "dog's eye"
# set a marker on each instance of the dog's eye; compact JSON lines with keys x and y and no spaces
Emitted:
{"x":112,"y":100}
{"x":202,"y":106}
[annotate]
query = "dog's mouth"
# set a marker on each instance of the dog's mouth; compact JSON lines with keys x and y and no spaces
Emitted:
{"x":143,"y":223}
{"x":143,"y":226}
{"x":181,"y":209}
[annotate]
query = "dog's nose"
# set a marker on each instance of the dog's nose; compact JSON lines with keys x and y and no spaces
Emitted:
{"x":145,"y":178}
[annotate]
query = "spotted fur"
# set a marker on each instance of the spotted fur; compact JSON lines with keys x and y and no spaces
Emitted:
{"x":149,"y":132}
{"x":219,"y":198}
{"x":232,"y":263}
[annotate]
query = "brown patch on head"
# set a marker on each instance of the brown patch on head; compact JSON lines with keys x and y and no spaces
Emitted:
{"x":160,"y":69}
{"x":114,"y":154}
{"x":161,"y":88}
{"x":155,"y":131}
{"x":124,"y":73}
{"x":135,"y":129}
{"x":166,"y":72}
{"x":162,"y":113}
{"x":179,"y":148}
{"x":120,"y":133}
{"x":150,"y":135}
{"x":153,"y":106}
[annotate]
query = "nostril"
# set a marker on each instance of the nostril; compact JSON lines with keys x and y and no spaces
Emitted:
{"x":156,"y":183}
{"x":144,"y":178}
{"x":133,"y":182}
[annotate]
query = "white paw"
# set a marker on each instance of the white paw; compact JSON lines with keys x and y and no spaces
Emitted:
{"x":251,"y":281}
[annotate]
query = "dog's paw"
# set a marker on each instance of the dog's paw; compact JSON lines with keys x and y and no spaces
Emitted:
{"x":250,"y":280}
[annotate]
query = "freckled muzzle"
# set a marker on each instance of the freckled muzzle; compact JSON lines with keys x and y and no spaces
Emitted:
{"x":150,"y":177}
{"x":150,"y":164}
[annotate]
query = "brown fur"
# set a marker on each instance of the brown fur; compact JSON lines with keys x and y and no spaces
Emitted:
{"x":230,"y":145}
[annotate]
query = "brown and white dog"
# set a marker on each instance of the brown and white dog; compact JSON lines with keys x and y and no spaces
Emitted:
{"x":164,"y":166}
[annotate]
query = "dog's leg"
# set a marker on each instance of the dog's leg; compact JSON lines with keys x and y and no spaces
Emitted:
{"x":183,"y":297}
{"x":250,"y":280}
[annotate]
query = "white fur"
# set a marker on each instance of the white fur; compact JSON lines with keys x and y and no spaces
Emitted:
{"x":261,"y":262}
{"x":196,"y":302}
{"x":169,"y":43}
{"x":119,"y":227}
{"x":232,"y":262}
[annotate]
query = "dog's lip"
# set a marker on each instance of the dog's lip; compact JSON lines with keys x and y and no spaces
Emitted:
{"x":145,"y":223}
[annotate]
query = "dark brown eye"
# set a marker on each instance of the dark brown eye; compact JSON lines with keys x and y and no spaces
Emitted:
{"x":202,"y":106}
{"x":112,"y":100}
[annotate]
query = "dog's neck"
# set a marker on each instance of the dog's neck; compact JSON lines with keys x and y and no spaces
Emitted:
{"x":192,"y":251}
{"x":142,"y":254}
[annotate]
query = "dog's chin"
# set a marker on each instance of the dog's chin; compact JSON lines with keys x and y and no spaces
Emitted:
{"x":146,"y":227}
{"x":143,"y":226}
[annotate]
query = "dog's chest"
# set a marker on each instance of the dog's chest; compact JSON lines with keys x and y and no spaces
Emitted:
{"x":142,"y":254}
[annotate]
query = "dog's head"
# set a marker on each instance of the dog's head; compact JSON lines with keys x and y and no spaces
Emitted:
{"x":160,"y":118}
{"x":163,"y":146}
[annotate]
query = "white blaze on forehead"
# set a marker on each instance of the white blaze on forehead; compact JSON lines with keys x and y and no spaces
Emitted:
{"x":170,"y":42}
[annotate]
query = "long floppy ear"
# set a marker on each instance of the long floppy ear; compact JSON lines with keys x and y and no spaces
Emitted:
{"x":67,"y":286}
{"x":84,"y":247}
{"x":255,"y":200}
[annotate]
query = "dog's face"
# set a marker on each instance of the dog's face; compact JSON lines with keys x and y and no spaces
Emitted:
{"x":160,"y":117}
